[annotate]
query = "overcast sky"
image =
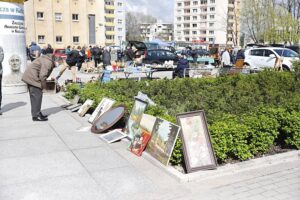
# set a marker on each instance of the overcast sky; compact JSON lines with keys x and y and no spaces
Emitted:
{"x":161,"y":9}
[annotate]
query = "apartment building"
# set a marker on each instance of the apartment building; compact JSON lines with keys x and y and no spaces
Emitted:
{"x":120,"y":22}
{"x":208,"y":21}
{"x":159,"y":30}
{"x":65,"y":22}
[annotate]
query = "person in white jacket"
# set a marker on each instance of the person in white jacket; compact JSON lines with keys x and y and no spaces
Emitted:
{"x":226,"y":58}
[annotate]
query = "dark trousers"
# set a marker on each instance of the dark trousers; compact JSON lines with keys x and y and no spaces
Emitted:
{"x":97,"y":61}
{"x":0,"y":91}
{"x":36,"y":97}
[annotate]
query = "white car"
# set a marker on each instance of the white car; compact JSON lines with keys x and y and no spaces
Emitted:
{"x":261,"y":58}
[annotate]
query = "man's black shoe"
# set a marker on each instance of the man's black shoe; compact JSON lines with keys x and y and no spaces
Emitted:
{"x":39,"y":119}
{"x":43,"y":116}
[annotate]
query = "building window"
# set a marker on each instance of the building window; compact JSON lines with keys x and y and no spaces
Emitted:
{"x":40,"y":15}
{"x":211,"y":16}
{"x":212,"y":9}
{"x":194,"y":32}
{"x":211,"y":39}
{"x":211,"y":24}
{"x":120,"y":4}
{"x":58,"y":17}
{"x":195,"y":10}
{"x":58,"y":39}
{"x":41,"y":39}
{"x":120,"y":29}
{"x":212,"y":1}
{"x":75,"y":17}
{"x":211,"y":32}
{"x":75,"y":39}
{"x":120,"y":21}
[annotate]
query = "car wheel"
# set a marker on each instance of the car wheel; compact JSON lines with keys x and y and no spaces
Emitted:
{"x":285,"y":68}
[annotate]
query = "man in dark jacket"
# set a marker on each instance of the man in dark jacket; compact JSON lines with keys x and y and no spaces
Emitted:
{"x":183,"y":63}
{"x":35,"y":76}
{"x":1,"y":72}
{"x":97,"y":53}
{"x":106,"y":57}
{"x":72,"y":60}
{"x":129,"y":56}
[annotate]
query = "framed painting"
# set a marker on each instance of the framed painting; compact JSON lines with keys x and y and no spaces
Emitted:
{"x":113,"y":136}
{"x":133,"y":124}
{"x":139,"y":143}
{"x":197,"y":147}
{"x":102,"y":107}
{"x":85,"y":107}
{"x":163,"y":140}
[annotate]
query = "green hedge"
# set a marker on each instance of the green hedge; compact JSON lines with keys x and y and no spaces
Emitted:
{"x":247,"y":114}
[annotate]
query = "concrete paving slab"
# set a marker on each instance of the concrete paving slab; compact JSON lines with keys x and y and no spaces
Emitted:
{"x":100,"y":158}
{"x":31,"y":146}
{"x":75,"y":187}
{"x":38,"y":167}
{"x":27,"y":131}
{"x":82,"y":140}
{"x":122,"y":182}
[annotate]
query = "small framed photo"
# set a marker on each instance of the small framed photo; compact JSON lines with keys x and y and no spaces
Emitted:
{"x":113,"y":136}
{"x":197,"y":147}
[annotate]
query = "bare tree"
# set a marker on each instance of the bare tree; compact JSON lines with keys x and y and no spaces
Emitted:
{"x":133,"y":21}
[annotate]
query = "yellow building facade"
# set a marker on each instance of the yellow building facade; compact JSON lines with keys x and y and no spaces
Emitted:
{"x":65,"y":22}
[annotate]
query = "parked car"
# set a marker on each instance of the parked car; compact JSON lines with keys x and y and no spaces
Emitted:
{"x":60,"y":53}
{"x":261,"y":58}
{"x":140,"y":46}
{"x":159,"y":56}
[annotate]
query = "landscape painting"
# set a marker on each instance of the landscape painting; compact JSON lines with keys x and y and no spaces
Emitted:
{"x":163,"y":140}
{"x":133,"y":124}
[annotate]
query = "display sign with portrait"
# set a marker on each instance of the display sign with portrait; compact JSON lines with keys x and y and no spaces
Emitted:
{"x":12,"y":41}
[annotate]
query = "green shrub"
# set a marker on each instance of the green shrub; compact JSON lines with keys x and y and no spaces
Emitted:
{"x":263,"y":132}
{"x":291,"y":129}
{"x":247,"y":114}
{"x":229,"y":139}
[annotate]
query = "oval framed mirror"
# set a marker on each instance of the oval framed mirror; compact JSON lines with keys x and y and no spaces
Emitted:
{"x":108,"y":119}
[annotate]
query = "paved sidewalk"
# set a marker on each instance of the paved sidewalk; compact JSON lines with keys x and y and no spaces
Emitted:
{"x":52,"y":161}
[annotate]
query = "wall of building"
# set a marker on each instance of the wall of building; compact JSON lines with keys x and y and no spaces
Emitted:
{"x":120,"y":22}
{"x":66,"y":27}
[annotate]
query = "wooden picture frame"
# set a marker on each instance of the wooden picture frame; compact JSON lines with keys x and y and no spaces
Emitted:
{"x":197,"y":147}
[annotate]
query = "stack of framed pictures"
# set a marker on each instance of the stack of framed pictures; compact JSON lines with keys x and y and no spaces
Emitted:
{"x":197,"y":147}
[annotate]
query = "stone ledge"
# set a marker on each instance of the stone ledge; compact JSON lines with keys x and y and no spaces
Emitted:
{"x":229,"y":169}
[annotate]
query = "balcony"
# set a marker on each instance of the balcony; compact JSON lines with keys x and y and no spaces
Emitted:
{"x":109,"y":7}
{"x":109,"y":32}
{"x":109,"y":24}
{"x":108,"y":15}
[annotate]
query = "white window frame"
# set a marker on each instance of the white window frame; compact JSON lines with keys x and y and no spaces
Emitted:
{"x":76,"y":42}
{"x":74,"y":16}
{"x":41,"y":39}
{"x":58,"y":17}
{"x":58,"y":36}
{"x":39,"y":17}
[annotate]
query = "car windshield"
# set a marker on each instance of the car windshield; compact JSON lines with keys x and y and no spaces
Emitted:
{"x":286,"y":53}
